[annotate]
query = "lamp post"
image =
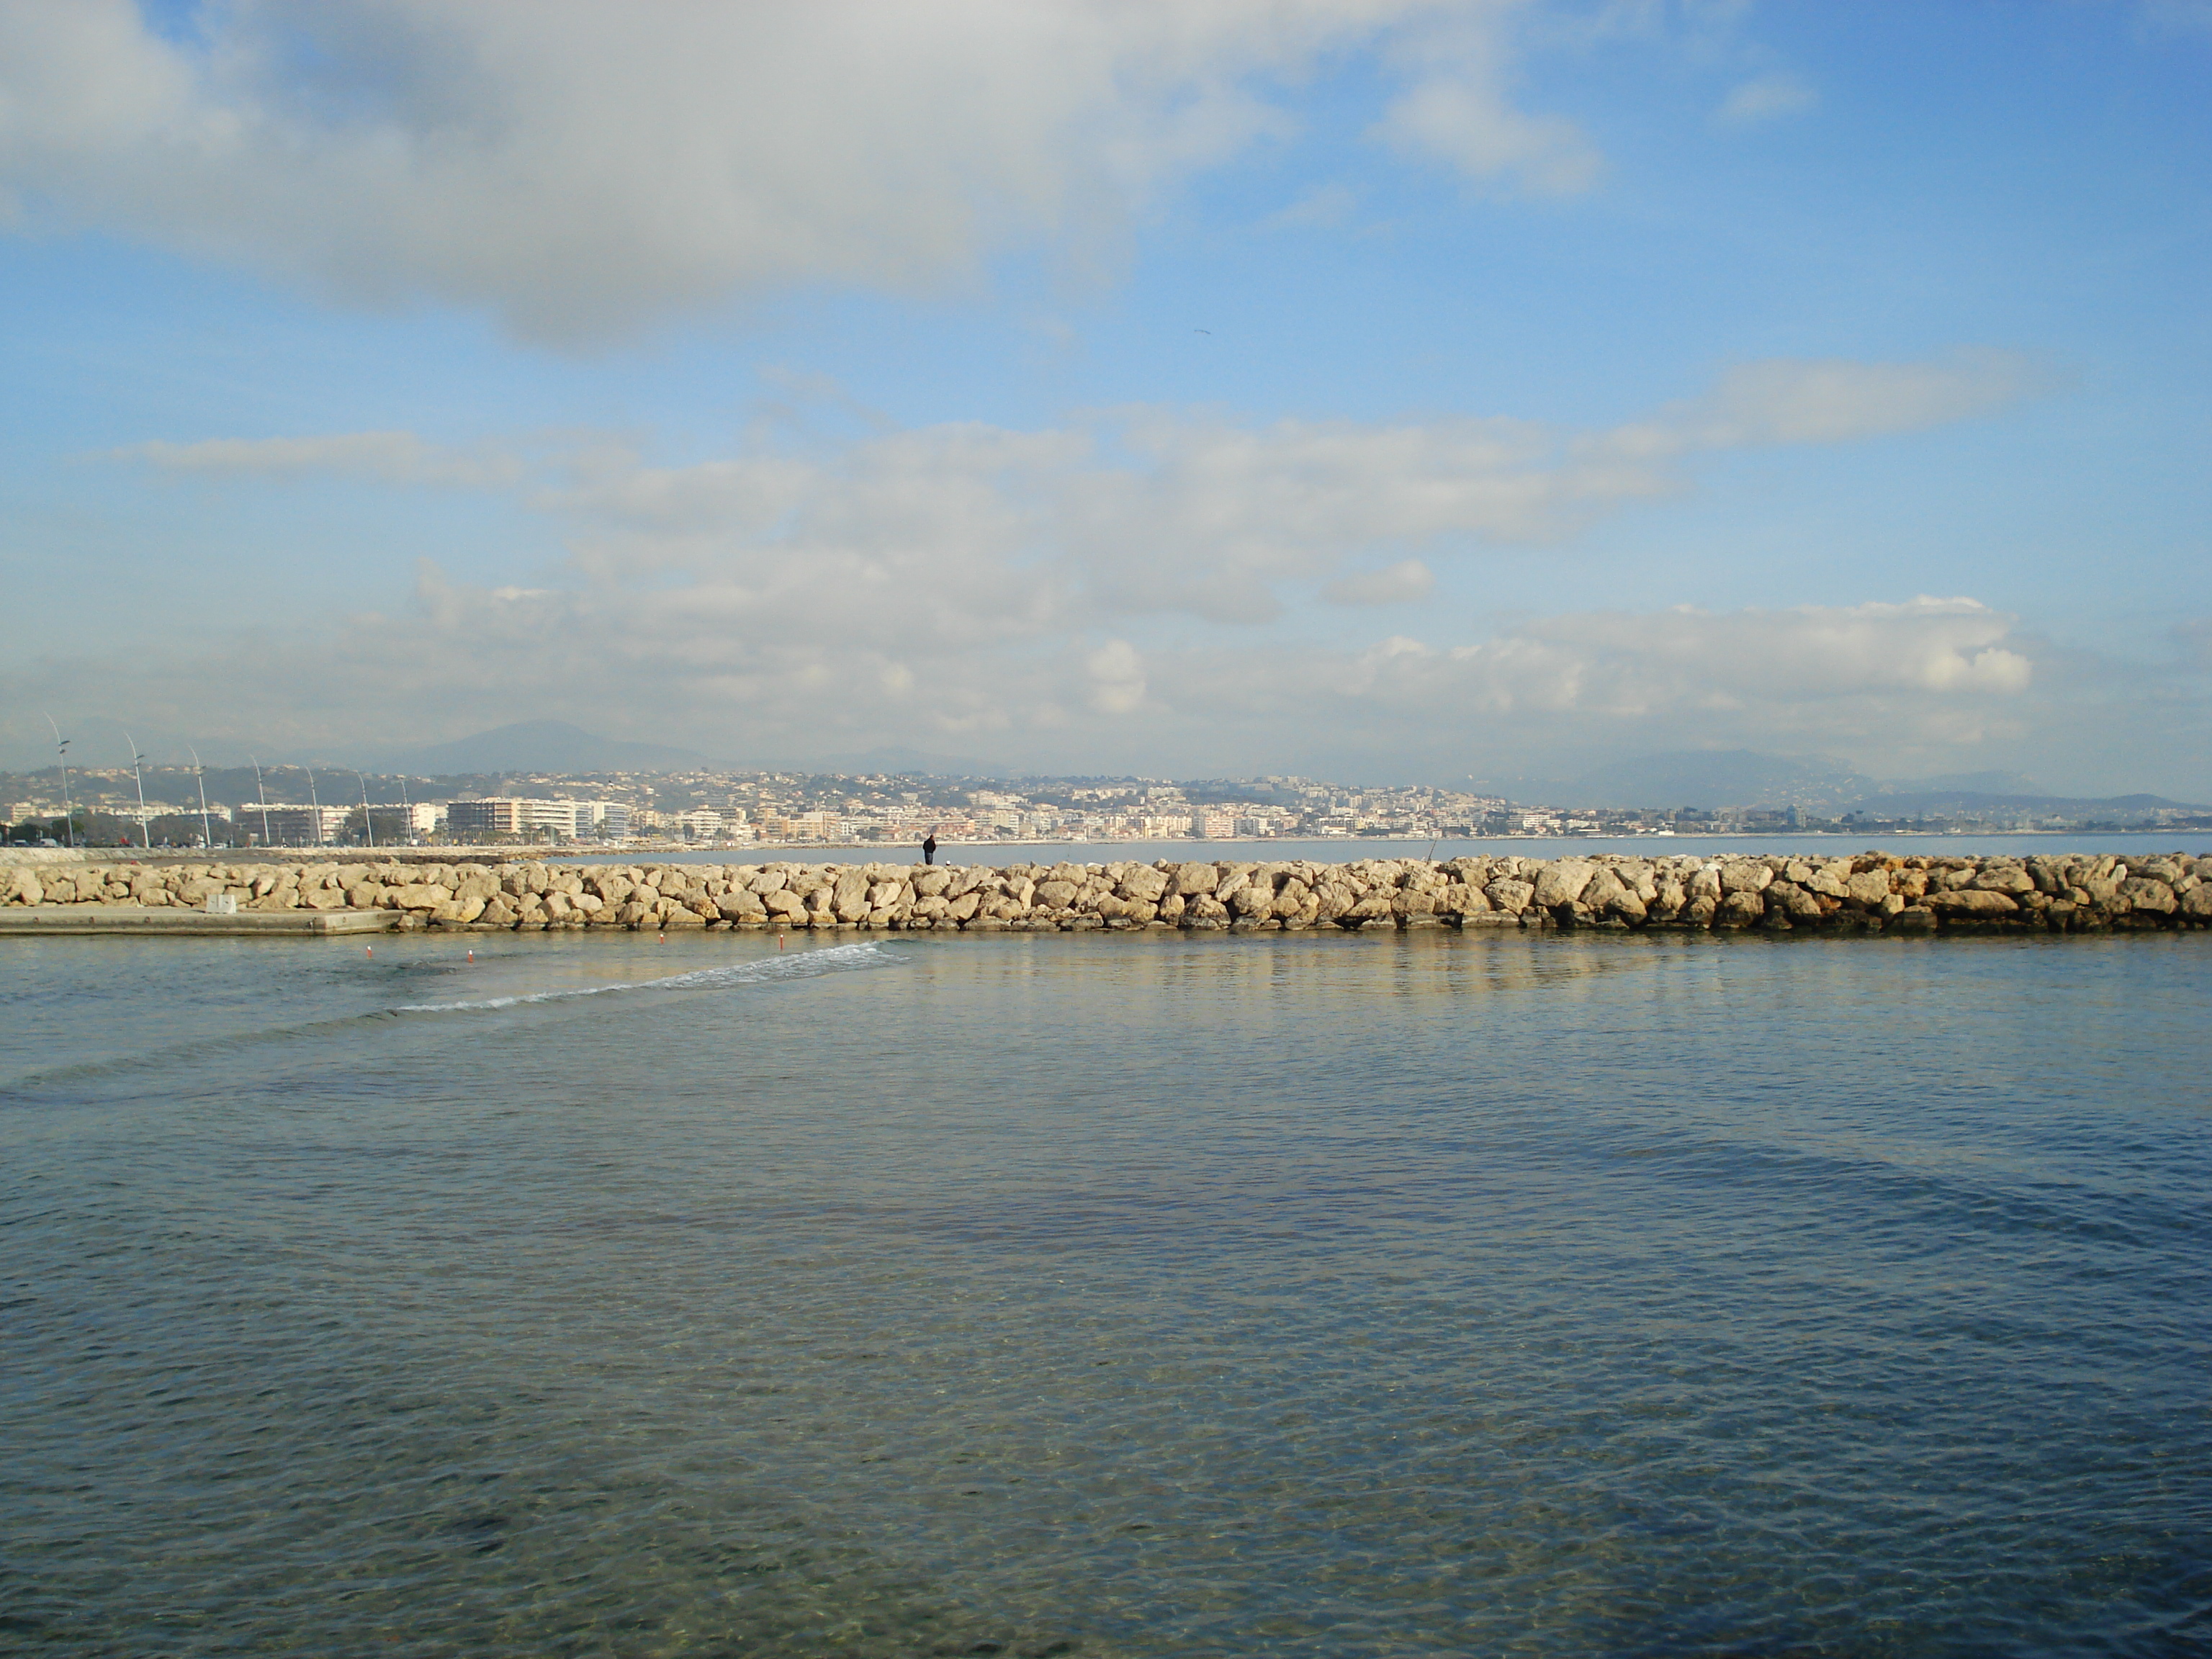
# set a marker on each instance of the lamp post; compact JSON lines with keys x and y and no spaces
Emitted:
{"x":261,"y":795}
{"x":207,"y":831}
{"x":61,"y":759}
{"x":138,"y":776}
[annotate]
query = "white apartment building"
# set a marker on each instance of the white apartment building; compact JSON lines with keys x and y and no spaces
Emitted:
{"x":276,"y":825}
{"x":518,"y":815}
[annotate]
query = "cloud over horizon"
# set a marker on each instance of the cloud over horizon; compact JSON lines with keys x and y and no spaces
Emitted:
{"x":1036,"y":593}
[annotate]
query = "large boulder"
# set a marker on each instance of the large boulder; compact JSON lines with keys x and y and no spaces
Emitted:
{"x":1868,"y":889}
{"x":1191,"y":879}
{"x":1509,"y":896}
{"x":2146,"y":893}
{"x":1562,"y":881}
{"x":849,"y":897}
{"x":1144,"y":883}
{"x":1740,"y":908}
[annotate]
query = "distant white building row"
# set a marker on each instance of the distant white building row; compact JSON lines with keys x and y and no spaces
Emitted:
{"x":518,"y":815}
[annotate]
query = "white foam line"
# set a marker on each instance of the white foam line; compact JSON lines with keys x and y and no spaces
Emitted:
{"x":804,"y":964}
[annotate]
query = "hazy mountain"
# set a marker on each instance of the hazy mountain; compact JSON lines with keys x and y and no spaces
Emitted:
{"x":1725,"y":777}
{"x":540,"y":746}
{"x":1741,"y":777}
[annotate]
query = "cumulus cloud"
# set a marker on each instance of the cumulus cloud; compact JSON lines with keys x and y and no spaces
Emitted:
{"x":1156,"y":511}
{"x":576,"y":168}
{"x":1931,"y":679}
{"x":1458,"y":112}
{"x":1102,"y":583}
{"x":399,"y":458}
{"x":1765,"y":98}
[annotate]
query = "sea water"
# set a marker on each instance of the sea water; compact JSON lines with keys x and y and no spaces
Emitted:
{"x":1317,"y":1293}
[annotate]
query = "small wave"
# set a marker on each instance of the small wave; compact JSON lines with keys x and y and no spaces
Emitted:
{"x":801,"y":964}
{"x":804,"y":964}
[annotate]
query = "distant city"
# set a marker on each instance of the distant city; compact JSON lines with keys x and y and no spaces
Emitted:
{"x":710,"y":808}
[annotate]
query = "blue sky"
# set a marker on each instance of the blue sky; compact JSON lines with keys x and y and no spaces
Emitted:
{"x":1360,"y":387}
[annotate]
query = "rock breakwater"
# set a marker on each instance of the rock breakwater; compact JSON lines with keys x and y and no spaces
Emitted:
{"x":1868,"y":892}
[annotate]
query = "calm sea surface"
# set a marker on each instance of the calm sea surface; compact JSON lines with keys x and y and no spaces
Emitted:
{"x":1150,"y":1295}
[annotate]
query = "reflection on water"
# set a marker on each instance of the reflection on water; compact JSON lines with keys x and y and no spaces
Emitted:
{"x":1427,"y":1293}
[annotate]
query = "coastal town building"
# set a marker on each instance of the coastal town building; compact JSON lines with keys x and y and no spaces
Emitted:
{"x":527,"y":817}
{"x":276,"y":824}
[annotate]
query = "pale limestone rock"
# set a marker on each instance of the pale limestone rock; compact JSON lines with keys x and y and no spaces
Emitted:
{"x":1831,"y":879}
{"x":1744,"y":876}
{"x":2145,"y":893}
{"x":1509,"y":895}
{"x":1743,"y":907}
{"x":1787,"y":898}
{"x":1146,"y":885}
{"x":1194,"y":878}
{"x":2010,"y":878}
{"x":849,"y":898}
{"x":1868,"y":888}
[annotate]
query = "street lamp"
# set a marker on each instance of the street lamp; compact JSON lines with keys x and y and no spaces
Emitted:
{"x":207,"y":831}
{"x":138,"y":777}
{"x":61,"y":755}
{"x":261,"y":794}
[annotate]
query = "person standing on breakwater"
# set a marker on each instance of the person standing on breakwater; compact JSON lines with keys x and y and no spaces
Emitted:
{"x":929,"y":849}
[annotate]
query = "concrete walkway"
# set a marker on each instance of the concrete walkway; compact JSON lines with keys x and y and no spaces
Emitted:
{"x":133,"y":920}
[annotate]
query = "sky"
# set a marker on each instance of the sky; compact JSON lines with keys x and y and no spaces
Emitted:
{"x":1377,"y":389}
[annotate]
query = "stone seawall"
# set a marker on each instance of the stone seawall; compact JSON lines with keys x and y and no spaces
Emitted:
{"x":1870,"y":892}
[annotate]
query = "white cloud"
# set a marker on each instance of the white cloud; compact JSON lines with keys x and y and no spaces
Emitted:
{"x":1817,"y":401}
{"x":1458,"y":112}
{"x":1765,"y":98}
{"x":1402,"y":583}
{"x":399,"y":457}
{"x":577,"y":168}
{"x":1050,"y":594}
{"x":1117,"y":678}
